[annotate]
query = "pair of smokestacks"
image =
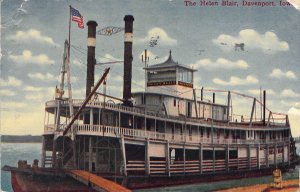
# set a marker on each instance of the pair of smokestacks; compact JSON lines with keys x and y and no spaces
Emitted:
{"x":91,"y":61}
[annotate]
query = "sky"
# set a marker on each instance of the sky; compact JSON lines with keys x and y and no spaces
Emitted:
{"x":204,"y":37}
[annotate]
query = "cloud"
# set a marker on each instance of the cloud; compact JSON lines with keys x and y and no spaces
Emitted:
{"x":257,"y":91}
{"x":32,"y":89}
{"x":267,"y":42}
{"x":10,"y":82}
{"x":153,"y":58}
{"x":108,"y":58}
{"x":42,"y":77}
{"x":28,"y":58}
{"x":77,"y":62}
{"x":289,"y":93}
{"x":5,"y":92}
{"x":161,"y":35}
{"x":277,"y":73}
{"x":221,"y":63}
{"x":31,"y":35}
{"x":39,"y":94}
{"x":233,"y":81}
{"x":13,"y":105}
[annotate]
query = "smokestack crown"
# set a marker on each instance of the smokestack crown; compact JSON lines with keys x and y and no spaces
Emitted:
{"x":92,"y":25}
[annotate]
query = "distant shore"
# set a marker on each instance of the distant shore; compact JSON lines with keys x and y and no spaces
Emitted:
{"x":21,"y":138}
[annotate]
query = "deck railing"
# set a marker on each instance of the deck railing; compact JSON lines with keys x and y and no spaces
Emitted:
{"x":140,"y":111}
{"x":111,"y":131}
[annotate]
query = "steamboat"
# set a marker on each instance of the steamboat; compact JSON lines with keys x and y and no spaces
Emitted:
{"x":166,"y":135}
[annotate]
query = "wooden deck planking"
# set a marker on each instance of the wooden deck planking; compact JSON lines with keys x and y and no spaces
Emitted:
{"x":97,"y":181}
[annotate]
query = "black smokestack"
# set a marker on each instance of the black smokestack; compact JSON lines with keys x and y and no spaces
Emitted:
{"x":91,"y":61}
{"x":128,"y":59}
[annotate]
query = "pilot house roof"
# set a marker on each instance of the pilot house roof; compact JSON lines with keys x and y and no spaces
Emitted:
{"x":169,"y":63}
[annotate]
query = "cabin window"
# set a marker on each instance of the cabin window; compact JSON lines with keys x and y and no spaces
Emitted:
{"x":226,"y":134}
{"x":143,"y":99}
{"x":201,"y":131}
{"x":174,"y":102}
{"x":189,"y":109}
{"x":218,"y":133}
{"x":173,"y":132}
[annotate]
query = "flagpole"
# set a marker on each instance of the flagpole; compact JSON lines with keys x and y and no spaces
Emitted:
{"x":69,"y":34}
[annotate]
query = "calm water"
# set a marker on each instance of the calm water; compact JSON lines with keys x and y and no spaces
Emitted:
{"x":12,"y":152}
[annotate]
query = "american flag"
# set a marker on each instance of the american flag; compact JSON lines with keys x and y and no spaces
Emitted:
{"x":76,"y":16}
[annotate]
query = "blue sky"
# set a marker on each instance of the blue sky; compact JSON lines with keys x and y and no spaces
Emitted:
{"x":33,"y":33}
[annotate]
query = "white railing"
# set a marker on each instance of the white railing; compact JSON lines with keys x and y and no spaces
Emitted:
{"x":111,"y":131}
{"x":135,"y":110}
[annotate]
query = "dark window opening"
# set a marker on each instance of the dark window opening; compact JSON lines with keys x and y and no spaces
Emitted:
{"x":191,"y":155}
{"x":233,"y":154}
{"x":220,"y":154}
{"x":174,"y":102}
{"x":208,"y":155}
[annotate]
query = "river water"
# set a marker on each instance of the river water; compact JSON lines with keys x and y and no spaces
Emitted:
{"x":12,"y":152}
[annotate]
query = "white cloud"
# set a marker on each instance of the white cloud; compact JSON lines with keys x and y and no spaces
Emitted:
{"x":153,"y":58}
{"x":31,"y":35}
{"x":108,"y":58}
{"x":27,"y":57}
{"x":42,"y":77}
{"x":10,"y":82}
{"x":277,"y":73}
{"x":39,"y":94}
{"x":257,"y":91}
{"x":77,"y":62}
{"x":221,"y":63}
{"x":289,"y":93}
{"x":5,"y":92}
{"x":161,"y":35}
{"x":13,"y":105}
{"x":32,"y":89}
{"x":268,"y":42}
{"x":233,"y":81}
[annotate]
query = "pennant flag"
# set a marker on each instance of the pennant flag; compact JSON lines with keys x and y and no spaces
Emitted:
{"x":76,"y":16}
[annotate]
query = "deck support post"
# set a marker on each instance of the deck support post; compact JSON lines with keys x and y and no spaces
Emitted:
{"x":200,"y":158}
{"x":249,"y":156}
{"x":119,"y":118}
{"x":147,"y":163}
{"x":147,"y":157}
{"x":195,"y":101}
{"x":84,"y":153}
{"x":289,"y":153}
{"x":228,"y":106}
{"x":54,"y":153}
{"x":124,"y":154}
{"x":214,"y":159}
{"x":78,"y":153}
{"x":90,"y":154}
{"x":184,"y":159}
{"x":267,"y":155}
{"x":275,"y":154}
{"x":168,"y":157}
{"x":252,"y":112}
{"x":74,"y":153}
{"x":227,"y":157}
{"x":91,"y":116}
{"x":43,"y":153}
{"x":283,"y":153}
{"x":258,"y":156}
